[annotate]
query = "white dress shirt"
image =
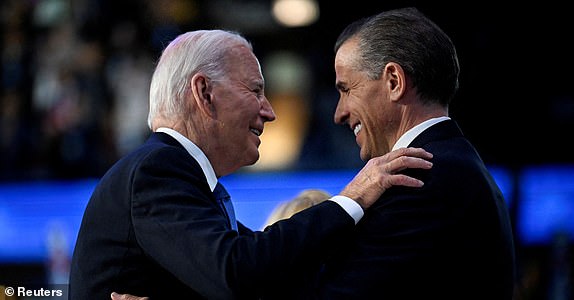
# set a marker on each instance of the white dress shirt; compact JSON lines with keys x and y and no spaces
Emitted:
{"x":350,"y":206}
{"x":412,"y":133}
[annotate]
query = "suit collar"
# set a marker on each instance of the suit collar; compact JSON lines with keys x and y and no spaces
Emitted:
{"x":412,"y":133}
{"x":439,"y":131}
{"x":171,"y":136}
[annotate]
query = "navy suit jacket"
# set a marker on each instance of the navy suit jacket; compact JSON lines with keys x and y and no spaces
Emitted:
{"x":450,"y":239}
{"x":152,"y":228}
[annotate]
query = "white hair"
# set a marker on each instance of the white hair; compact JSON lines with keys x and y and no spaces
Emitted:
{"x":189,"y":53}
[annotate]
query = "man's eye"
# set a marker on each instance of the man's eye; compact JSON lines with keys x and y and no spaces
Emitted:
{"x":258,"y":93}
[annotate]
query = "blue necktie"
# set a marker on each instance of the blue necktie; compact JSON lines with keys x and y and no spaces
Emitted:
{"x":224,"y":201}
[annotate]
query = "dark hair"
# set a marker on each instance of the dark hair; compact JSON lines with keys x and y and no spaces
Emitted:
{"x":407,"y":37}
{"x":349,"y":31}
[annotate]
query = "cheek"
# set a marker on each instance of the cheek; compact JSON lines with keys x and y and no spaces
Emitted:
{"x":237,"y":127}
{"x":373,"y":124}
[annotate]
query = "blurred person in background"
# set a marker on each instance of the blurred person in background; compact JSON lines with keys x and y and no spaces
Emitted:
{"x":304,"y":199}
{"x":306,"y":271}
{"x":159,"y":223}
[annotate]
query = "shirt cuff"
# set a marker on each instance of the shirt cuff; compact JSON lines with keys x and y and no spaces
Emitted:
{"x":350,"y":206}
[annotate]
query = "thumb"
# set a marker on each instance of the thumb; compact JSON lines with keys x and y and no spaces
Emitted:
{"x":116,"y":296}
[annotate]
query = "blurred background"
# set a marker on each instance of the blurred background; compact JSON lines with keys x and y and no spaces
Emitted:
{"x":74,"y":80}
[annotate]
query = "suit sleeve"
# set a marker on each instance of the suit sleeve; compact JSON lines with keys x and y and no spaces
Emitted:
{"x":179,"y":225}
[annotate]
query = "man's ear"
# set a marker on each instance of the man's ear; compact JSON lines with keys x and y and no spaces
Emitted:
{"x":201,"y":91}
{"x":395,"y":80}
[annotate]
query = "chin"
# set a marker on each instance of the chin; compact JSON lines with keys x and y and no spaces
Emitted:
{"x":252,"y":158}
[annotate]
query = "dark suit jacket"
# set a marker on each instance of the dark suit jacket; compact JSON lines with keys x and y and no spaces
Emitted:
{"x":152,"y":228}
{"x":450,"y":239}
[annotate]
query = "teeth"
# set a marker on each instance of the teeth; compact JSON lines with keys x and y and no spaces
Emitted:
{"x":357,"y":128}
{"x":255,"y":131}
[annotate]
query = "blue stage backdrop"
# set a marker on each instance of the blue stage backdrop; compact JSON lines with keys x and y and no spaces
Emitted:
{"x":38,"y":218}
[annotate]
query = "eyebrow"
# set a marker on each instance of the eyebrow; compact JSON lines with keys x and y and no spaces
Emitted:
{"x":252,"y":84}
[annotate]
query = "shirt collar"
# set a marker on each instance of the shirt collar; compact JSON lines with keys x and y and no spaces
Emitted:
{"x":196,"y":153}
{"x":412,"y":133}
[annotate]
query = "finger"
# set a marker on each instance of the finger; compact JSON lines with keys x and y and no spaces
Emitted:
{"x":414,"y":152}
{"x":116,"y":296}
{"x":404,"y":180}
{"x":405,"y":162}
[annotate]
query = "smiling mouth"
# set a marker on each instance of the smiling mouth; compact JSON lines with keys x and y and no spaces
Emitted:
{"x":257,"y":132}
{"x":357,"y":128}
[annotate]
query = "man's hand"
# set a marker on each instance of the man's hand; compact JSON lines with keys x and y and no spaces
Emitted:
{"x":380,"y":173}
{"x":116,"y":296}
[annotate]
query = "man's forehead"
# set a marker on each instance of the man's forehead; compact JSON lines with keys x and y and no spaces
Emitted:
{"x":347,"y":52}
{"x":246,"y":63}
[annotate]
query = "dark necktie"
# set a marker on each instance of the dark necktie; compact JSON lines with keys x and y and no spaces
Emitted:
{"x":224,"y":201}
